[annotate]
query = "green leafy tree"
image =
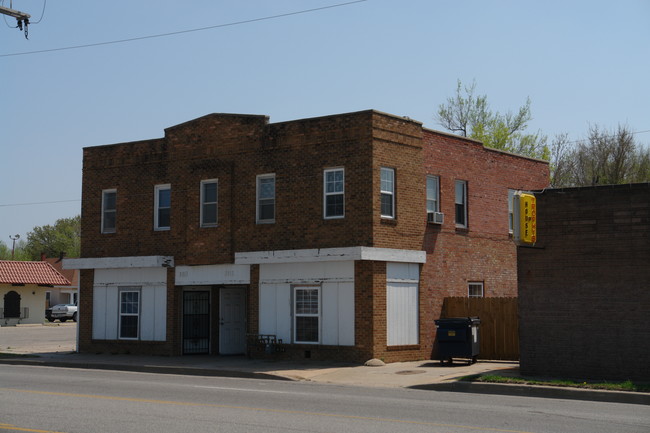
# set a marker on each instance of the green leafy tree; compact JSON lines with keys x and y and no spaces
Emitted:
{"x":63,"y":236}
{"x":469,"y":115}
{"x":20,"y":252}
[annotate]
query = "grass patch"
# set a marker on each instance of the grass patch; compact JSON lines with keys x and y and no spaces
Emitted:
{"x":627,"y":385}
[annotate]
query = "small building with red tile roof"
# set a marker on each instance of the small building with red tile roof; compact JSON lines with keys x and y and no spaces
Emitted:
{"x":22,"y":290}
{"x":62,"y":294}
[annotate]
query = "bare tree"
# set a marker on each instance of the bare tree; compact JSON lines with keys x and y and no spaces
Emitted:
{"x":604,"y":157}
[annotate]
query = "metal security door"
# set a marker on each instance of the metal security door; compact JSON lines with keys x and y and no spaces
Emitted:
{"x":232,"y":321}
{"x":196,"y":322}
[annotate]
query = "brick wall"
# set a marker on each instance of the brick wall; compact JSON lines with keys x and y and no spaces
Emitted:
{"x":583,"y":296}
{"x":236,"y":148}
{"x":484,"y":251}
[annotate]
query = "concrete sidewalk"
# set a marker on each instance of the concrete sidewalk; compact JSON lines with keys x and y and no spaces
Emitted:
{"x":420,"y":375}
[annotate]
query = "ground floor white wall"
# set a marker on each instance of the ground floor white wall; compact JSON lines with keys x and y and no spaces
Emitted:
{"x":151,"y":283}
{"x":337,"y":305}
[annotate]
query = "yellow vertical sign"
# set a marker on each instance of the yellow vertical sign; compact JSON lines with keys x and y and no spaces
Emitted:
{"x":528,"y":218}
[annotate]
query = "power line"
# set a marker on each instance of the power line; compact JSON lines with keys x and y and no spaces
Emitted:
{"x":39,"y":202}
{"x":607,"y":136}
{"x":200,"y":29}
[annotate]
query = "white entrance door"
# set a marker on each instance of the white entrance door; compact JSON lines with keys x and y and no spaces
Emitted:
{"x":232,"y":321}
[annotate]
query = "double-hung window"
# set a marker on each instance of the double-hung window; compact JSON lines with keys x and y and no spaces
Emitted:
{"x":209,"y":201}
{"x":163,"y":207}
{"x":433,"y":194}
{"x":387,"y":193}
{"x":461,"y":203}
{"x":129,"y":325}
{"x":334,"y":193}
{"x":306,"y":324}
{"x":475,"y":290}
{"x":109,"y":210}
{"x":265,"y":198}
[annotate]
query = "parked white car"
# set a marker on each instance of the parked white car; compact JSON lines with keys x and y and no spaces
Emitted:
{"x":63,"y":312}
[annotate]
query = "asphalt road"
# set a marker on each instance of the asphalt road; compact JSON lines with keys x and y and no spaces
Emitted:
{"x":42,"y":399}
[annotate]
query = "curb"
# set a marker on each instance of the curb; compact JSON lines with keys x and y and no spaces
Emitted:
{"x":158,"y":369}
{"x":539,"y":391}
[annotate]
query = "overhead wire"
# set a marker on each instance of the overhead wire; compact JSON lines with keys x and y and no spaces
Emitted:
{"x":582,"y":140}
{"x":42,"y":14}
{"x":200,"y":29}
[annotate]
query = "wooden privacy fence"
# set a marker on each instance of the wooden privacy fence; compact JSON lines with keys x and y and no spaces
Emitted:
{"x":499,"y":328}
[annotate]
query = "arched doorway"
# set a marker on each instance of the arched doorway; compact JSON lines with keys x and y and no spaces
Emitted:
{"x":12,"y":305}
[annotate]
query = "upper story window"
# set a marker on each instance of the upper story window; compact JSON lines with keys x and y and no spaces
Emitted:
{"x":433,"y":194}
{"x":109,"y":210}
{"x":511,"y":213}
{"x":461,"y":203}
{"x":163,"y":207}
{"x":334,"y":193}
{"x":209,"y":201}
{"x":265,"y":198}
{"x":387,"y":192}
{"x":475,"y":290}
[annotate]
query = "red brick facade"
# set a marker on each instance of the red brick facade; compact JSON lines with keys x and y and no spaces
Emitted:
{"x":236,"y":148}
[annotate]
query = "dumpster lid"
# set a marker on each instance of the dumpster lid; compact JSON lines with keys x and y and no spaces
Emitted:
{"x":458,"y":321}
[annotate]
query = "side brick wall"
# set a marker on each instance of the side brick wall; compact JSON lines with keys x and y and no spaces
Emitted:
{"x":484,"y":251}
{"x":583,"y":296}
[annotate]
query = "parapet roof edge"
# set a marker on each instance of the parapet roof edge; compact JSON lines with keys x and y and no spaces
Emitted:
{"x":636,"y":185}
{"x":491,"y":149}
{"x":370,"y":111}
{"x":350,"y":113}
{"x":220,"y":115}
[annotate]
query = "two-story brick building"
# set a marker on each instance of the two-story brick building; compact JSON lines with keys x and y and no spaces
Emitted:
{"x":341,"y":235}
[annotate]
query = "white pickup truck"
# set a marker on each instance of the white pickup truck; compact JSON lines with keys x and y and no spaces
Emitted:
{"x":63,"y":312}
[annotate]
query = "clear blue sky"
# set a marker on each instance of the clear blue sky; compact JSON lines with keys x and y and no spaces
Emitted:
{"x":580,"y":62}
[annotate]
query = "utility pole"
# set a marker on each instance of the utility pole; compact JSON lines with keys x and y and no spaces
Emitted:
{"x":22,"y":18}
{"x":13,"y":247}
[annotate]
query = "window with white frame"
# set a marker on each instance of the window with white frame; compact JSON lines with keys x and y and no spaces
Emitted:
{"x":163,"y":207}
{"x":265,"y":198}
{"x":334,"y":193}
{"x":433,"y":194}
{"x":307,"y":311}
{"x":511,"y":214}
{"x":209,"y":202}
{"x":475,"y":289}
{"x":461,"y":203}
{"x":129,"y":325}
{"x":109,"y":210}
{"x":387,"y":192}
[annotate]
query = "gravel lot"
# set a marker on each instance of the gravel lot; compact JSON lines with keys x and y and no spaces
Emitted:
{"x":55,"y":337}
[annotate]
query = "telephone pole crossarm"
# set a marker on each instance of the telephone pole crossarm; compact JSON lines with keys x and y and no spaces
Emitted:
{"x":14,"y":13}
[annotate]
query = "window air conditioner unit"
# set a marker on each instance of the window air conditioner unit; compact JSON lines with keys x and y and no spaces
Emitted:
{"x":435,"y":217}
